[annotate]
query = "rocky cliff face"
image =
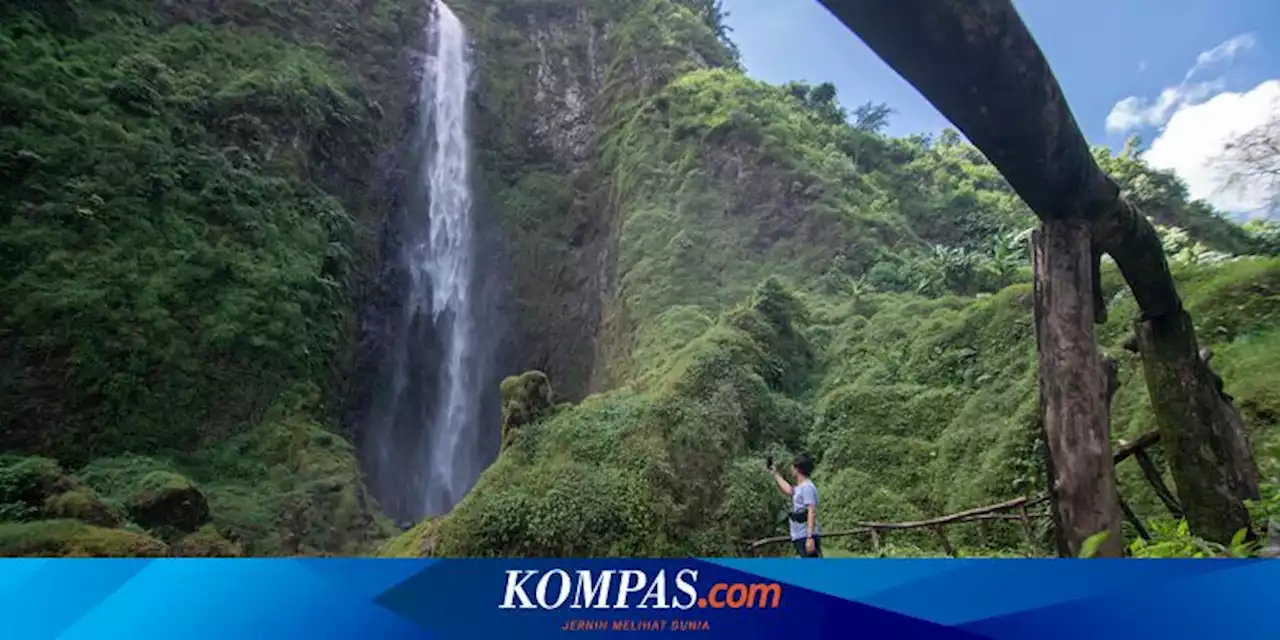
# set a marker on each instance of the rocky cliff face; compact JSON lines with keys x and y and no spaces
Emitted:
{"x":567,"y":80}
{"x":550,"y":74}
{"x":539,"y":72}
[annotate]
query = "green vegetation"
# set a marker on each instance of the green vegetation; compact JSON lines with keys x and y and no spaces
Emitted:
{"x":665,"y":467}
{"x":180,"y":252}
{"x":170,"y":269}
{"x":205,"y":543}
{"x":713,"y":268}
{"x":70,"y":538}
{"x":787,"y":281}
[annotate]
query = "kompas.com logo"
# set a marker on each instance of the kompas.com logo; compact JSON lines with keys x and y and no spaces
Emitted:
{"x":632,"y":589}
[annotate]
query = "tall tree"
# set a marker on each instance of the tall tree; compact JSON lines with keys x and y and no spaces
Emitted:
{"x":872,"y":117}
{"x":820,"y":99}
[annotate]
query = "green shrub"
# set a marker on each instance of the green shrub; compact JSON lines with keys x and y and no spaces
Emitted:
{"x":25,"y":483}
{"x":1170,"y":539}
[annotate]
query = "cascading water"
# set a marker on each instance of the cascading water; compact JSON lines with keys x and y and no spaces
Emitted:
{"x":447,"y":260}
{"x":423,"y":426}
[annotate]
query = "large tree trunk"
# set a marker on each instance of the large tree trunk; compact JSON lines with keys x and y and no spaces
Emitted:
{"x":977,"y":63}
{"x":1074,"y":391}
{"x":1200,"y":430}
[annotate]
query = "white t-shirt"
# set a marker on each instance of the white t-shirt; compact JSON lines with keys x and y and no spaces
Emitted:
{"x":803,"y":495}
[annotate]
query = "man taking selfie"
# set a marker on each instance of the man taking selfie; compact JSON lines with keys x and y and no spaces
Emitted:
{"x":804,"y":506}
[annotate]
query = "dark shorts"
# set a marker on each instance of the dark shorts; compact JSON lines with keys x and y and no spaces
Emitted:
{"x":817,"y":548}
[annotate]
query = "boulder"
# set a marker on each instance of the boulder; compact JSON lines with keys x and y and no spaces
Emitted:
{"x":166,"y":500}
{"x":525,"y":398}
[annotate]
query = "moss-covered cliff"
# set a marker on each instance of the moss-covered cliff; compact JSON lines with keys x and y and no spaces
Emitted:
{"x":188,"y":216}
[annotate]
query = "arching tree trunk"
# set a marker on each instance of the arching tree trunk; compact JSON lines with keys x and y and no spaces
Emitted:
{"x":978,"y":64}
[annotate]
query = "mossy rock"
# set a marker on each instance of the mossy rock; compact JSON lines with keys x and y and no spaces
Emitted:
{"x":525,"y":398}
{"x":82,"y":504}
{"x":206,"y":543}
{"x":72,"y":538}
{"x":168,"y":500}
{"x":286,"y":486}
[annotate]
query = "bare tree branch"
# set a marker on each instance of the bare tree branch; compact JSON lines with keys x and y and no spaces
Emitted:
{"x":1251,"y":163}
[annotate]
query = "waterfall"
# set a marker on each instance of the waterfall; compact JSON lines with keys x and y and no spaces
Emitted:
{"x":424,"y":422}
{"x":447,"y":259}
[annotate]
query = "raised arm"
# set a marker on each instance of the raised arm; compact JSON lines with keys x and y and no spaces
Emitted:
{"x":783,"y":485}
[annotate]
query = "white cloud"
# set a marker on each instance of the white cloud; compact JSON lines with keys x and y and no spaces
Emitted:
{"x":1222,"y":53}
{"x":1135,"y":112}
{"x":1196,"y":120}
{"x":1192,"y":142}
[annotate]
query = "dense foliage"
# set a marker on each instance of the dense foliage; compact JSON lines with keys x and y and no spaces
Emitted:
{"x":715,"y":270}
{"x":177,"y":238}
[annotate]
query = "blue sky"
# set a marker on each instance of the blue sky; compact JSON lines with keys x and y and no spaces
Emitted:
{"x":1184,"y":74}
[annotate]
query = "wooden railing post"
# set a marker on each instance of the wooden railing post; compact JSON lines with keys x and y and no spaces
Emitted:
{"x":1073,"y":390}
{"x":1028,"y":533}
{"x":946,"y":544}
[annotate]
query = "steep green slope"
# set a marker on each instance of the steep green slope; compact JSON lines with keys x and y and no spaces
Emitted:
{"x":185,"y":210}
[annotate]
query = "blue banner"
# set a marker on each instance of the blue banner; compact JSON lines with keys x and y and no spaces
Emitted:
{"x":784,"y":598}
